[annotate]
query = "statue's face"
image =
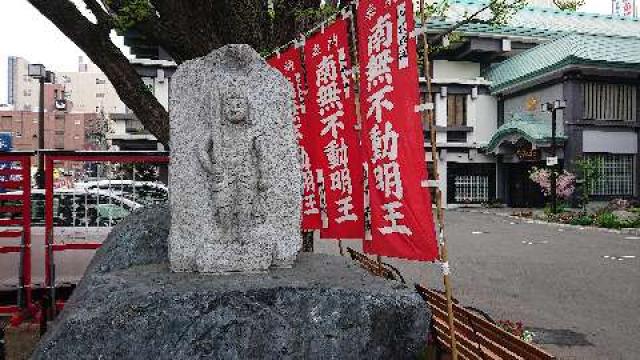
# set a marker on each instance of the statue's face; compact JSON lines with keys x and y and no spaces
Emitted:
{"x":235,"y":109}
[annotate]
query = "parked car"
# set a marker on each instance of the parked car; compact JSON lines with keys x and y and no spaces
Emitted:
{"x":79,"y":215}
{"x":142,"y":192}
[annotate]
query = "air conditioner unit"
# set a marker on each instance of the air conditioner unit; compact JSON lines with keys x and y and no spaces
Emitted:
{"x":61,"y":104}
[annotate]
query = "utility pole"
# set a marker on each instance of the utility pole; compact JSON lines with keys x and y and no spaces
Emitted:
{"x":552,"y":161}
{"x":38,"y":71}
{"x":40,"y":173}
{"x":554,"y":168}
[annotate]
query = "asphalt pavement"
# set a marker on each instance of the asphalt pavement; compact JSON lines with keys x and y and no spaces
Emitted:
{"x":578,"y":289}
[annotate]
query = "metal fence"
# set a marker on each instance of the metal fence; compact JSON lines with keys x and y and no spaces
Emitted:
{"x":86,"y":193}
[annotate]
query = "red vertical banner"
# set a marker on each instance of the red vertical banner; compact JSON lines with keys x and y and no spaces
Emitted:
{"x":331,"y":106}
{"x":401,"y":218}
{"x":289,"y":63}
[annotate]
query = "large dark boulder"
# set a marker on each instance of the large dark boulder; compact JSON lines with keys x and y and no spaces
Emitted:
{"x":130,"y":306}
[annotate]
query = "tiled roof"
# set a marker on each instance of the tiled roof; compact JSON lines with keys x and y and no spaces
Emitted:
{"x":621,"y":52}
{"x":539,"y":23}
{"x":525,"y":125}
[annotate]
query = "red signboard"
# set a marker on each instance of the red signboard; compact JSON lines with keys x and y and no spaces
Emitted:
{"x":289,"y":63}
{"x":332,"y":114}
{"x":401,"y":217}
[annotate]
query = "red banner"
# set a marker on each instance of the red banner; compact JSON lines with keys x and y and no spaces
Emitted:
{"x":401,"y":217}
{"x":332,"y":114}
{"x":289,"y":63}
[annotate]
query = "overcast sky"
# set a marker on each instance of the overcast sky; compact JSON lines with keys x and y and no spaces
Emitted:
{"x":26,"y":33}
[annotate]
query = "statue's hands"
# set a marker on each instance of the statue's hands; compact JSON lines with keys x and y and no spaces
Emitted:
{"x":207,"y":160}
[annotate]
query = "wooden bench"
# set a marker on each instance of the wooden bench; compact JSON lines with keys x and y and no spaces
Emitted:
{"x":476,"y":337}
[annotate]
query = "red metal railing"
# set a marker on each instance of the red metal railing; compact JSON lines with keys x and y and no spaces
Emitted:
{"x":15,"y":182}
{"x":50,"y":157}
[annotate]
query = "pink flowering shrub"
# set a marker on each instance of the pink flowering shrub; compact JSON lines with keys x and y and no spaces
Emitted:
{"x":565,"y":183}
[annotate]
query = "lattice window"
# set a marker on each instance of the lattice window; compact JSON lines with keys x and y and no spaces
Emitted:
{"x":471,"y":189}
{"x":609,"y":101}
{"x":616,"y":175}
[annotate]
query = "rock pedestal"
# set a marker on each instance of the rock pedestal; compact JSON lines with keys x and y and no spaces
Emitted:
{"x":131,"y":306}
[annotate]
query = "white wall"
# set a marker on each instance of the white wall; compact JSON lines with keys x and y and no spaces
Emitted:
{"x":486,"y":118}
{"x":82,"y":88}
{"x":159,"y":85}
{"x":519,"y":104}
{"x":450,"y":70}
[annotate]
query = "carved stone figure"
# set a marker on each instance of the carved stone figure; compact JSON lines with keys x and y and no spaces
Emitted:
{"x":234,"y":174}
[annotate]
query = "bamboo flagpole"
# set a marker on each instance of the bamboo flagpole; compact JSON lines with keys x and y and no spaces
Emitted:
{"x":444,"y":256}
{"x":355,"y":76}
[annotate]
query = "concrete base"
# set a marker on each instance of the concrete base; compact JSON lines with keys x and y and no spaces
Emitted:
{"x":134,"y":307}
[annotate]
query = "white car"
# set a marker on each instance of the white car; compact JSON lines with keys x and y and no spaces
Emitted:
{"x":80,"y":215}
{"x":142,"y":192}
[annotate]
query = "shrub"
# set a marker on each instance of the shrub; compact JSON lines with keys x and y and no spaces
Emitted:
{"x":561,"y":207}
{"x":565,"y":182}
{"x":583,"y":220}
{"x":608,"y":220}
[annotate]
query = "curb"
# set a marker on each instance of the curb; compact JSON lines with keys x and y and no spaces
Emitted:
{"x":623,"y":231}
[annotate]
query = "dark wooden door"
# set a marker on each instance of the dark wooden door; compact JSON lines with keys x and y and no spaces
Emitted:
{"x":522,"y":191}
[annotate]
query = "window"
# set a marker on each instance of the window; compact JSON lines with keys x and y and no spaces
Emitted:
{"x":609,"y":101}
{"x":616,"y":175}
{"x":456,"y":110}
{"x":457,"y":136}
{"x":59,"y":123}
{"x":99,"y":95}
{"x":133,"y":126}
{"x":100,"y":81}
{"x":58,"y":141}
{"x":471,"y":189}
{"x":6,"y":123}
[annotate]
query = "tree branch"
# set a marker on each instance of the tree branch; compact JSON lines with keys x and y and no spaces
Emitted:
{"x":103,"y":18}
{"x":98,"y":46}
{"x":456,"y":26}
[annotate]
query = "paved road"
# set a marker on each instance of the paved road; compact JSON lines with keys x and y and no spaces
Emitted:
{"x":578,"y":289}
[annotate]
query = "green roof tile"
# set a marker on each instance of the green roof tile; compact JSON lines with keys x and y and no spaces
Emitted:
{"x":575,"y":49}
{"x":535,"y":130}
{"x":542,"y":23}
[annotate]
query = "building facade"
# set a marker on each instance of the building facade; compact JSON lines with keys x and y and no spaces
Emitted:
{"x":23,"y":92}
{"x":493,"y":132}
{"x":89,"y":91}
{"x":488,"y":87}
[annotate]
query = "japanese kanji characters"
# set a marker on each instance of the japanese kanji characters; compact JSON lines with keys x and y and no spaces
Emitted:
{"x":329,"y":76}
{"x":289,"y":63}
{"x":400,"y":209}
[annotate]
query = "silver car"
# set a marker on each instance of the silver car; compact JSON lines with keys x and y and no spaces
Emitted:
{"x":80,"y":216}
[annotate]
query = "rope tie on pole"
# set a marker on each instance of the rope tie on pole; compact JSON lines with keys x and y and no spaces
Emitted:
{"x":446,"y":269}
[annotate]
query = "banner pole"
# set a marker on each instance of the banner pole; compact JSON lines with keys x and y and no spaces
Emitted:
{"x":355,"y":71}
{"x":444,"y":256}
